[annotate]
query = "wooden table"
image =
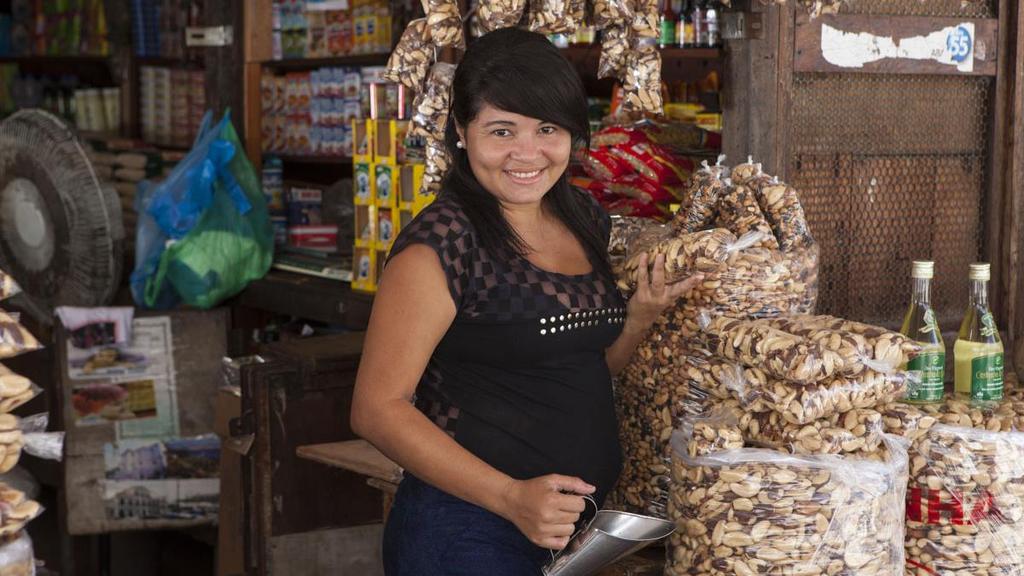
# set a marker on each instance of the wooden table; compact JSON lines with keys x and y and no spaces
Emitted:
{"x":360,"y":457}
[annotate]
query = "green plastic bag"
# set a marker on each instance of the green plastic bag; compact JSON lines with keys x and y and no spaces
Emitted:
{"x":228,"y":246}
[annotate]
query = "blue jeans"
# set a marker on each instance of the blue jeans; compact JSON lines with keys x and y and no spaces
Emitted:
{"x":432,"y":533}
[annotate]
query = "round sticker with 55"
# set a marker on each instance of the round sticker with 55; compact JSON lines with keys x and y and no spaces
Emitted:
{"x":959,"y":44}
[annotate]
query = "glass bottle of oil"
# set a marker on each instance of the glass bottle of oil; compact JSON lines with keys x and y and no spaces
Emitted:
{"x":919,"y":324}
{"x":978,"y":352}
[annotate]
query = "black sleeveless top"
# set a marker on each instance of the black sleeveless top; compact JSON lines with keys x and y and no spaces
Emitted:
{"x":520,"y":378}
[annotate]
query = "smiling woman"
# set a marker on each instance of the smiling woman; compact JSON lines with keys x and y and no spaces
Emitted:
{"x":501,"y":299}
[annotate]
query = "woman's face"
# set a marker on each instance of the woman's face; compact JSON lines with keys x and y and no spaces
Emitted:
{"x":514,"y":157}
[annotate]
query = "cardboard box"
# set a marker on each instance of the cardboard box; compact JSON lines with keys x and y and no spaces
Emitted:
{"x":387,"y":227}
{"x":386,"y":182}
{"x":389,"y":136}
{"x":409,"y":183}
{"x":366,"y":224}
{"x":364,"y":269}
{"x":362,"y":140}
{"x":362,"y":192}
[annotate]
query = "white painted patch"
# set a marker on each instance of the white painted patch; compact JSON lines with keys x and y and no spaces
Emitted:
{"x":953,"y":45}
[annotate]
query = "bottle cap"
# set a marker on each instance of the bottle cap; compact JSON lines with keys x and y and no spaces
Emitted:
{"x":981,"y":271}
{"x":922,"y":269}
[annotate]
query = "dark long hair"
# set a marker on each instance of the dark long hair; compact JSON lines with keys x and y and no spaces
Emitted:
{"x":523,"y":73}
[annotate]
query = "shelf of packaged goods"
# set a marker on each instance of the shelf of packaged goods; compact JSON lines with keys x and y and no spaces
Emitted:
{"x":311,"y":63}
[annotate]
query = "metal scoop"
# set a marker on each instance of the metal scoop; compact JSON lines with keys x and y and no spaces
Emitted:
{"x":608,"y":537}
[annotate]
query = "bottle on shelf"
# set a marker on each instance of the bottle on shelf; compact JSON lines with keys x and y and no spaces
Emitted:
{"x":711,"y":19}
{"x":920,"y":325}
{"x":678,"y":7}
{"x":978,"y":352}
{"x":700,"y":35}
{"x":667,"y":26}
{"x":686,"y":39}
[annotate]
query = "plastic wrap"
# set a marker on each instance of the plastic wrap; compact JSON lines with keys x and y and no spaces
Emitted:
{"x":410,"y":61}
{"x":14,"y":338}
{"x":868,"y":348}
{"x":615,"y":41}
{"x":624,"y":230}
{"x":445,"y":23}
{"x":755,"y":511}
{"x":806,"y":403}
{"x":781,"y":206}
{"x":556,"y":16}
{"x":698,"y":209}
{"x":430,"y":107}
{"x":437,"y":162}
{"x":8,"y":287}
{"x":16,"y":510}
{"x":17,"y":557}
{"x":495,"y":14}
{"x":641,"y":82}
{"x":37,"y":441}
{"x":780,"y":355}
{"x":739,"y":212}
{"x":645,"y":18}
{"x":15,"y":390}
{"x":716,"y":432}
{"x":686,"y":254}
{"x":611,"y":13}
{"x":965,"y":504}
{"x":856,"y":432}
{"x":653,"y":392}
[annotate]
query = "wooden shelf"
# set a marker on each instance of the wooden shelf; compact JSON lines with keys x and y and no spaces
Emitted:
{"x":309,"y":63}
{"x":310,"y":159}
{"x":594,"y":50}
{"x":309,"y":297}
{"x":39,"y":60}
{"x":168,"y":62}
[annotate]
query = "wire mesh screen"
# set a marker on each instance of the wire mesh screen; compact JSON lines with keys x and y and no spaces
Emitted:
{"x":891,"y":169}
{"x":949,"y":8}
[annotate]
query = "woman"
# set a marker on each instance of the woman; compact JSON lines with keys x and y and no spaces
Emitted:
{"x":499,"y":314}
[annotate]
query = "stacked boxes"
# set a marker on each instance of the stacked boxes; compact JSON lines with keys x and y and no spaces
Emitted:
{"x":386,"y":194}
{"x":308,"y":29}
{"x":172,"y":103}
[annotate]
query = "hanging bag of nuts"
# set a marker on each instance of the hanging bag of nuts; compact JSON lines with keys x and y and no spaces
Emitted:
{"x":556,"y":16}
{"x":412,"y":57}
{"x":495,"y":14}
{"x":754,"y":511}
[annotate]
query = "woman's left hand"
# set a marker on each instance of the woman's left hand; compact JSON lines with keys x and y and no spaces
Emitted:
{"x":653,"y":294}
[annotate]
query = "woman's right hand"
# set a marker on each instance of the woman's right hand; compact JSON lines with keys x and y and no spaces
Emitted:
{"x":546,"y":508}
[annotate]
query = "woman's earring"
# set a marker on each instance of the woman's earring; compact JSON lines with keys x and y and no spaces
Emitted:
{"x":460,"y":145}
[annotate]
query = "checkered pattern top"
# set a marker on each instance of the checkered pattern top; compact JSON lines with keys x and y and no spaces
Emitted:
{"x":500,"y":300}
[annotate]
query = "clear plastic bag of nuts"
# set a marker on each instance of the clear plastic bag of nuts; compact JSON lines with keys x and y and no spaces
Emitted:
{"x":757,"y":511}
{"x":615,"y":43}
{"x":685,"y":254}
{"x":496,"y":14}
{"x":556,"y":16}
{"x":779,"y":203}
{"x":641,"y":80}
{"x":410,"y":61}
{"x":856,"y":432}
{"x":608,"y":13}
{"x":806,"y":403}
{"x":437,"y":163}
{"x":445,"y":23}
{"x":431,"y":105}
{"x":965,"y":509}
{"x":700,"y":203}
{"x":739,"y":212}
{"x":645,"y":18}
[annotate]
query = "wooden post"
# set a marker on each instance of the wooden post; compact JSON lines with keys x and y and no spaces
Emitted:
{"x":224,"y":64}
{"x":258,"y":49}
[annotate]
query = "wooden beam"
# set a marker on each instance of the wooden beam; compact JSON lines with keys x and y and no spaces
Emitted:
{"x":809,"y":56}
{"x":1014,"y":238}
{"x":259,"y":34}
{"x":998,"y":222}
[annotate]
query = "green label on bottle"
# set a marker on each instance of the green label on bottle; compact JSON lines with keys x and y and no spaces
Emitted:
{"x":987,"y":377}
{"x":668,"y":33}
{"x":931,"y":368}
